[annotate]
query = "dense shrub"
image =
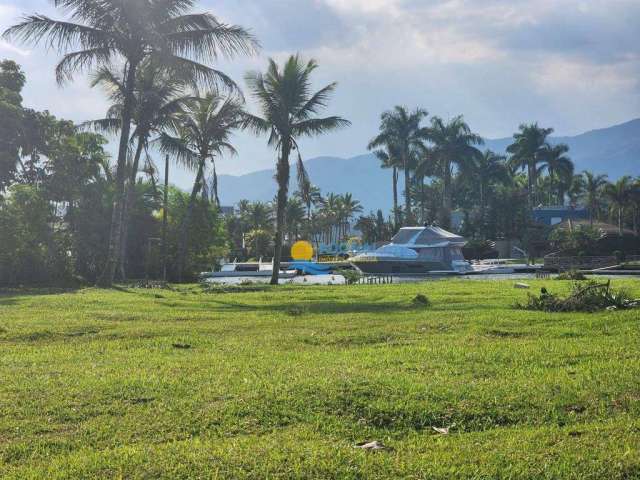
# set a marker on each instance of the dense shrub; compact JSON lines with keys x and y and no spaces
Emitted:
{"x":33,"y":248}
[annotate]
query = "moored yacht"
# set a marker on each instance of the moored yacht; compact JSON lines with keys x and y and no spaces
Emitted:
{"x":416,"y":251}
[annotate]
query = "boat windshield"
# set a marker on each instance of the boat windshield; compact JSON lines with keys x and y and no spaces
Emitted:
{"x":403,"y":236}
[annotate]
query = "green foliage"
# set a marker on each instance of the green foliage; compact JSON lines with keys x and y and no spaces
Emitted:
{"x":578,"y":241}
{"x":584,"y":297}
{"x":208,"y":241}
{"x":574,"y":275}
{"x":351,"y":276}
{"x":11,"y":116}
{"x":421,"y":300}
{"x":34,"y":250}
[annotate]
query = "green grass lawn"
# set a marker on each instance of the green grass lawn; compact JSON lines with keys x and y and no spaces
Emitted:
{"x":282,"y":383}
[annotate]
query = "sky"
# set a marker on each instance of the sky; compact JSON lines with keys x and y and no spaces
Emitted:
{"x":569,"y":64}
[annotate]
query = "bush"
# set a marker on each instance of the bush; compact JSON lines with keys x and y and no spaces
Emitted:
{"x":591,"y":297}
{"x":574,"y":275}
{"x":421,"y":300}
{"x":351,"y":276}
{"x":579,"y":242}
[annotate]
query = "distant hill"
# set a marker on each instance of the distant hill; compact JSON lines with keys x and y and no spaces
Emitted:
{"x":614,"y":151}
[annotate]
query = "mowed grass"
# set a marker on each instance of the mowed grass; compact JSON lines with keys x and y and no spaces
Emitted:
{"x":282,"y":383}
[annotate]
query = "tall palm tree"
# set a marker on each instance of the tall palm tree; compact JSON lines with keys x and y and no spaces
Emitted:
{"x":159,"y":97}
{"x":403,"y":135}
{"x":454,"y":145}
{"x":389,"y":158}
{"x":593,"y":189}
{"x":102,"y":33}
{"x":202,"y":132}
{"x":619,"y":196}
{"x":288,"y":108}
{"x":487,"y":168}
{"x":527,"y":152}
{"x":560,"y":168}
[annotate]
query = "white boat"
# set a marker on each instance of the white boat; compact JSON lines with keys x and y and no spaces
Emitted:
{"x":247,"y":269}
{"x":417,"y":251}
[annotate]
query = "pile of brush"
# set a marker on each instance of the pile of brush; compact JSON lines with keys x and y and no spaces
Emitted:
{"x":584,"y":297}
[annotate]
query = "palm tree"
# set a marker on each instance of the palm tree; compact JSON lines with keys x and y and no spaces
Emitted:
{"x":619,"y":195}
{"x":348,"y":207}
{"x":560,"y":169}
{"x":527,"y":151}
{"x":487,"y":168}
{"x":574,"y":187}
{"x":202,"y":132}
{"x":110,"y":32}
{"x":159,"y":97}
{"x":309,"y":196}
{"x":288,"y":109}
{"x":295,"y":216}
{"x":330,"y":212}
{"x":593,"y":189}
{"x":389,"y":159}
{"x":403,"y":136}
{"x":453,"y":145}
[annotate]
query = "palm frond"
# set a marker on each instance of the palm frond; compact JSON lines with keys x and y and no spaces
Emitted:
{"x":179,"y":150}
{"x":80,"y":61}
{"x":318,"y":126}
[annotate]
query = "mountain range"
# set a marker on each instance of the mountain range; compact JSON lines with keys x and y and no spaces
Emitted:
{"x":614,"y":151}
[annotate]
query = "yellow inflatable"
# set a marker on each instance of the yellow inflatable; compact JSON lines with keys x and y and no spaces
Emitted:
{"x":302,"y":251}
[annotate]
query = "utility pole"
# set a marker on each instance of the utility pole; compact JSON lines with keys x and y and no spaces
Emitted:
{"x":165,"y":205}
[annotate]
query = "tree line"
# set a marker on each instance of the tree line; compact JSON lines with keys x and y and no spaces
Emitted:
{"x":445,"y":168}
{"x":155,"y":62}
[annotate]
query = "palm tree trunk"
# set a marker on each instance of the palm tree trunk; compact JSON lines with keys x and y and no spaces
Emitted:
{"x":165,"y":203}
{"x":482,"y":211}
{"x":422,"y":200}
{"x":407,"y":192}
{"x":115,"y":234}
{"x":184,"y":234}
{"x":530,"y":176}
{"x":620,"y":220}
{"x":283,"y":189}
{"x":395,"y":198}
{"x":130,"y":189}
{"x":445,"y":214}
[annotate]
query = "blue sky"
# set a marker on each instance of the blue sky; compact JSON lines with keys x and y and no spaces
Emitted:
{"x":570,"y":64}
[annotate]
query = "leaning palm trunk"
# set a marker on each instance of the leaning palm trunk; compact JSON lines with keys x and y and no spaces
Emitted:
{"x":283,"y":188}
{"x":126,"y":211}
{"x":115,"y":235}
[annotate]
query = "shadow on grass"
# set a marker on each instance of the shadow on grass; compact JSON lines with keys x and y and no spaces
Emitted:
{"x":325,"y":307}
{"x":7,"y":294}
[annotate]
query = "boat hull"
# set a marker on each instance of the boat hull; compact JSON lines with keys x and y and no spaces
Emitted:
{"x":260,"y":274}
{"x":401,"y":267}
